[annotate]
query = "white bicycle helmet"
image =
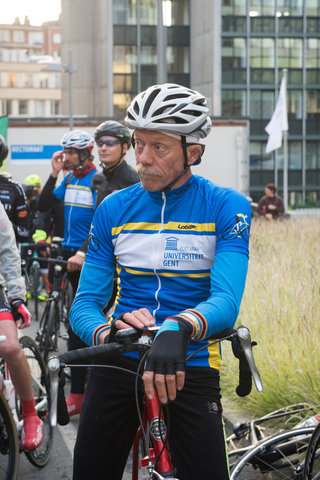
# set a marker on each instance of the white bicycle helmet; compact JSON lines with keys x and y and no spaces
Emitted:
{"x":78,"y":139}
{"x":171,"y":109}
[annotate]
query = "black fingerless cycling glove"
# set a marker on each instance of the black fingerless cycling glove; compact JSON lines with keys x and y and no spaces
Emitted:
{"x":169,"y":350}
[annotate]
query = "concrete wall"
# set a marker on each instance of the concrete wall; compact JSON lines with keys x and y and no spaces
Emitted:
{"x":224,"y":161}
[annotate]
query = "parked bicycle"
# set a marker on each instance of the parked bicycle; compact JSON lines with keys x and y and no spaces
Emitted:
{"x":11,"y":422}
{"x":156,"y":459}
{"x":311,"y":469}
{"x":253,"y":447}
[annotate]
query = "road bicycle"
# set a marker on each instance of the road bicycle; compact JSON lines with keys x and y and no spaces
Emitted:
{"x":53,"y":316}
{"x":254,"y":449}
{"x":156,"y":459}
{"x":311,"y":469}
{"x":11,"y":422}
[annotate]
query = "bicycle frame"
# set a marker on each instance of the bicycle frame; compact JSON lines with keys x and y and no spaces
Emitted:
{"x":159,"y":455}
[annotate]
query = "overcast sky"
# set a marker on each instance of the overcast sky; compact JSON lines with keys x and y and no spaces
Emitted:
{"x":38,"y":11}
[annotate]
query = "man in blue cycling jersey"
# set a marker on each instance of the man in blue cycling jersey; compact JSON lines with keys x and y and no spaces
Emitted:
{"x":180,"y":246}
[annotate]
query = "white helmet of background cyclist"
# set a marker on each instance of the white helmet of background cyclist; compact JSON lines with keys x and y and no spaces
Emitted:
{"x":78,"y":139}
{"x":171,"y":109}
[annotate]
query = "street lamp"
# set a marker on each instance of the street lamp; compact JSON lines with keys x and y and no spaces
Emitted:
{"x":70,"y":69}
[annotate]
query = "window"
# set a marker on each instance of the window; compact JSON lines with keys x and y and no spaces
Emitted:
{"x":56,"y":38}
{"x":262,"y":53}
{"x":4,"y":79}
{"x":233,"y":103}
{"x":261,"y":104}
{"x":55,"y":107}
{"x":18,"y":36}
{"x":178,"y":60}
{"x":23,"y":107}
{"x":261,"y":7}
{"x":312,"y":8}
{"x":35,"y":38}
{"x":313,"y":155}
{"x":12,"y":79}
{"x":234,"y":52}
{"x":313,"y":102}
{"x":290,"y":53}
{"x":4,"y":35}
{"x":294,"y":104}
{"x":233,"y":7}
{"x":39,"y":107}
{"x":259,"y":159}
{"x":313,"y":53}
{"x":289,"y":7}
{"x":125,"y":12}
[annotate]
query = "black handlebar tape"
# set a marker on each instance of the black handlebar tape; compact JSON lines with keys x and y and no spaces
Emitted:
{"x":56,"y":261}
{"x":62,"y":409}
{"x":91,"y":353}
{"x":245,"y":377}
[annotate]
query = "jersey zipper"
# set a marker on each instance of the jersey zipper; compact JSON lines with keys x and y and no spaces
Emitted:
{"x":69,"y":219}
{"x":164,"y":198}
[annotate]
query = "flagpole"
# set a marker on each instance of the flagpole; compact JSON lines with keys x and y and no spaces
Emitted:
{"x":285,"y":157}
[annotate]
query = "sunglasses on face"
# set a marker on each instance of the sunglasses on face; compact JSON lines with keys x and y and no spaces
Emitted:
{"x":108,"y":143}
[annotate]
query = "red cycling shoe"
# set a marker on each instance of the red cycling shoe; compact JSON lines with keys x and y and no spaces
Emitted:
{"x":74,"y":402}
{"x":32,"y":435}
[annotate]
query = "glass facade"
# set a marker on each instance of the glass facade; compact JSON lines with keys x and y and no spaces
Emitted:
{"x":259,"y":40}
{"x":135,"y":64}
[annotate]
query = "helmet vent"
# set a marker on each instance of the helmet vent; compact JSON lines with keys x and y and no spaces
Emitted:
{"x":194,"y":113}
{"x":176,"y":95}
{"x":149,"y":101}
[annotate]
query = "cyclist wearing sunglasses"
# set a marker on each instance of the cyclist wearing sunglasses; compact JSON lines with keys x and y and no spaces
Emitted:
{"x":182,"y":257}
{"x":113,"y":140}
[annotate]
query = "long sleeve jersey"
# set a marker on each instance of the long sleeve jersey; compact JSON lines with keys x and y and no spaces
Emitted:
{"x":176,"y":251}
{"x":79,"y":201}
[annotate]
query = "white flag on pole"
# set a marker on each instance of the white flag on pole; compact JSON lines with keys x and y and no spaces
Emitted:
{"x":279,"y":120}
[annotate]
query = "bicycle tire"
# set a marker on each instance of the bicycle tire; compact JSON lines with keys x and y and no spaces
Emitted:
{"x":40,"y":387}
{"x":311,"y":469}
{"x":51,"y":333}
{"x":280,"y":456}
{"x":66,"y":300}
{"x":9,"y":442}
{"x":47,"y":336}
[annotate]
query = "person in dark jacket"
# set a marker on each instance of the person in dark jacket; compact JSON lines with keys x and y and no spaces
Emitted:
{"x":271,"y":206}
{"x":113,"y":141}
{"x":13,"y":198}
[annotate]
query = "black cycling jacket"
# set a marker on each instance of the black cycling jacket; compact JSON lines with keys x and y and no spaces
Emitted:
{"x":13,"y":198}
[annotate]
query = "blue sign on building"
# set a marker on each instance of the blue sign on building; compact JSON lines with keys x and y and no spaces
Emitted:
{"x":33,"y":152}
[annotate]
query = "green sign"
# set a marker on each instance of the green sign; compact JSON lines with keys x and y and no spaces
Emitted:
{"x":3,"y":132}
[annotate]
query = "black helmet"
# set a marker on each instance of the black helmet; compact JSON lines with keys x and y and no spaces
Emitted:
{"x":30,"y":191}
{"x":114,"y":129}
{"x":3,"y":149}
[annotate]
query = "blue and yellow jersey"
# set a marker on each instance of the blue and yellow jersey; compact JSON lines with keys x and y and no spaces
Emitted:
{"x":164,"y":247}
{"x":79,"y":201}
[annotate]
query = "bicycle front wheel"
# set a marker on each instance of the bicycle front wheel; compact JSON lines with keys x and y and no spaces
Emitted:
{"x":9,"y":444}
{"x":312,"y":463}
{"x":40,"y":456}
{"x":280,"y":456}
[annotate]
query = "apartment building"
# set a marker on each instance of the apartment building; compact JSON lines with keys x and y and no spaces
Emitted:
{"x":25,"y":50}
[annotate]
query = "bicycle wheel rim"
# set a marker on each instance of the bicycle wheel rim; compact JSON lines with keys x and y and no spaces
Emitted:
{"x":279,"y":457}
{"x":40,"y":456}
{"x":9,"y":445}
{"x":312,"y":463}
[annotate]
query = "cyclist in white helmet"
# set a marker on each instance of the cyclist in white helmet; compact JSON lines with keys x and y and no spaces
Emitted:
{"x":180,"y":245}
{"x":79,"y":201}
